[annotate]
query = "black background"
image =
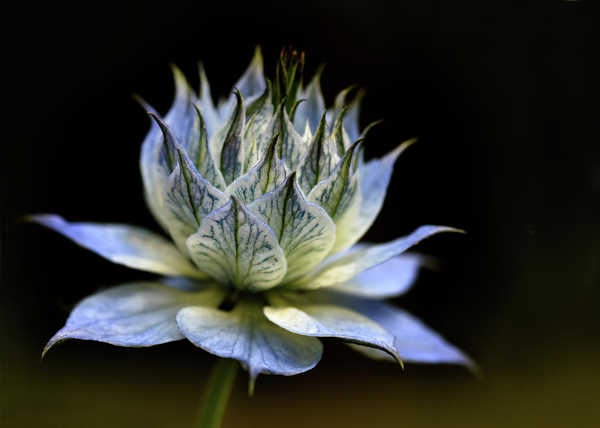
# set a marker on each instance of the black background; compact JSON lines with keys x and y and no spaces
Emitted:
{"x":504,"y":100}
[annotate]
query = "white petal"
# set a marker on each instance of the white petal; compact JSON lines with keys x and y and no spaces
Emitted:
{"x":340,"y":196}
{"x":246,"y":335}
{"x":188,"y":200}
{"x":304,"y":231}
{"x":332,"y":321}
{"x":236,"y":248}
{"x":131,"y":246}
{"x":138,"y":314}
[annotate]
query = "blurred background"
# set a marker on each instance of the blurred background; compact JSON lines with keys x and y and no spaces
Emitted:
{"x":504,"y":99}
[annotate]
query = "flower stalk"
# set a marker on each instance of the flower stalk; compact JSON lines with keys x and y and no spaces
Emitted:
{"x":216,"y":395}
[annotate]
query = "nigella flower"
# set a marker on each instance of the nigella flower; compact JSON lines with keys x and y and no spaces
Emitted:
{"x":264,"y":198}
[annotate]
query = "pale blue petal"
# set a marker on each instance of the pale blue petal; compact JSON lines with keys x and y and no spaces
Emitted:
{"x":375,"y":177}
{"x":126,"y":245}
{"x":188,"y":200}
{"x":206,"y":105}
{"x":346,"y":265}
{"x":137,"y":315}
{"x":313,"y":108}
{"x":389,"y":279}
{"x":304,"y":231}
{"x":154,"y":162}
{"x":415,"y":342}
{"x":251,"y":84}
{"x":351,"y":120}
{"x":332,"y":321}
{"x":236,"y":248}
{"x":246,"y":335}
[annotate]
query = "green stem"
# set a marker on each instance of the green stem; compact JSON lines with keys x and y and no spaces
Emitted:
{"x":217,"y":393}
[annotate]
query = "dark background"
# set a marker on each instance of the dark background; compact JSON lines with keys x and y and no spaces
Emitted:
{"x":504,"y":98}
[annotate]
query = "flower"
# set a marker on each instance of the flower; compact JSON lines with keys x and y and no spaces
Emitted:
{"x":264,"y":201}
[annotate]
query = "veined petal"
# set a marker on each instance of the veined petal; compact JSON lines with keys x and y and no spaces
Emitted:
{"x":332,"y":321}
{"x":130,"y":246}
{"x":304,"y":231}
{"x":227,"y":144}
{"x":389,"y":279}
{"x":310,"y":111}
{"x":154,"y":162}
{"x":188,"y":200}
{"x":263,"y":177}
{"x":233,"y":246}
{"x":246,"y":335}
{"x":346,"y":265}
{"x":340,"y":196}
{"x":319,"y":160}
{"x":291,"y":145}
{"x":375,"y":177}
{"x":137,"y":315}
{"x":260,"y":113}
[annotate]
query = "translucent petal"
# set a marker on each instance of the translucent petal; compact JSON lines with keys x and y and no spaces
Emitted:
{"x":389,"y":279}
{"x":346,"y":265}
{"x":138,"y":314}
{"x":206,"y":105}
{"x":236,"y":248}
{"x":375,"y":177}
{"x":188,"y":200}
{"x":251,"y":84}
{"x":130,"y":246}
{"x":304,"y":231}
{"x":415,"y":342}
{"x":332,"y":321}
{"x":263,"y":177}
{"x":246,"y":335}
{"x":154,"y":163}
{"x":313,"y":108}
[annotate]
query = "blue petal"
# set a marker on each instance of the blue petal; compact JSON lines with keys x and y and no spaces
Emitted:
{"x":130,"y":246}
{"x":137,"y":315}
{"x":389,"y":279}
{"x":415,"y":342}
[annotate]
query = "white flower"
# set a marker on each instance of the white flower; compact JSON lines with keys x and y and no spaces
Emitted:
{"x":264,"y":202}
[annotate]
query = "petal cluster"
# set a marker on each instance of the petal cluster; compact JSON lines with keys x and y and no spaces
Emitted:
{"x":264,"y":196}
